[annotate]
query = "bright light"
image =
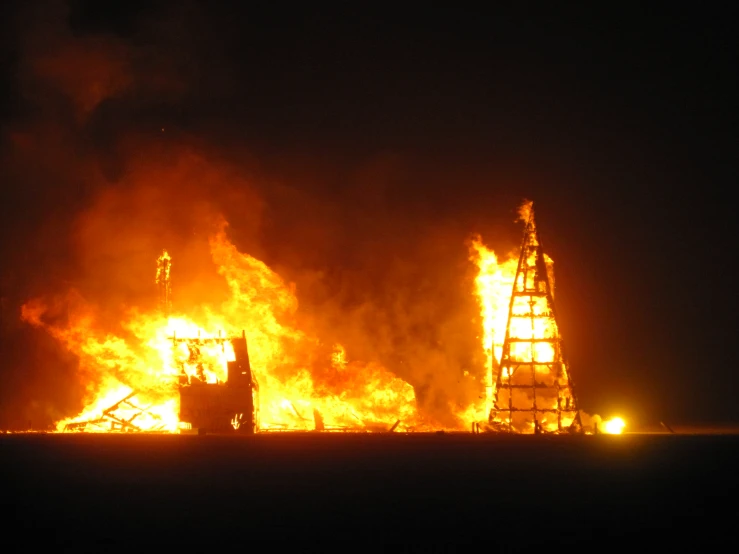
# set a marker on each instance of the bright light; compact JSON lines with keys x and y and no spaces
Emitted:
{"x":614,"y":426}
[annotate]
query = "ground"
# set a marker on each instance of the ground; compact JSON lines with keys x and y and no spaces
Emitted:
{"x":358,"y":492}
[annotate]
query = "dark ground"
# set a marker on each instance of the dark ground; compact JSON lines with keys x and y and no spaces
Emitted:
{"x":357,"y":492}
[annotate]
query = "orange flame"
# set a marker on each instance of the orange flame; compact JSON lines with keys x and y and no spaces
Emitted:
{"x":493,"y":286}
{"x":143,"y":367}
{"x":131,"y":375}
{"x":524,"y":211}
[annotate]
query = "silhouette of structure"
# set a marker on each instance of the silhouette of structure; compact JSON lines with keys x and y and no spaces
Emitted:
{"x":219,"y":407}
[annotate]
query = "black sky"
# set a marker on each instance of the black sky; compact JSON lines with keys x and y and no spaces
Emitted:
{"x":620,"y":126}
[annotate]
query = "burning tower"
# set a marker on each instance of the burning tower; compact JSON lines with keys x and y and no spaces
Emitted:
{"x":533,"y":390}
{"x":164,"y":264}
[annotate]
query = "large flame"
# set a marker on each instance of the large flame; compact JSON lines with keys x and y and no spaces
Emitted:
{"x":132,"y":374}
{"x":142,"y":368}
{"x":493,"y":285}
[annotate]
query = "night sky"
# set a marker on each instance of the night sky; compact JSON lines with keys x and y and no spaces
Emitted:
{"x":354,"y":152}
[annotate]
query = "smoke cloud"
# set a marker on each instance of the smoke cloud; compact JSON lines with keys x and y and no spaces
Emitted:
{"x":122,"y":149}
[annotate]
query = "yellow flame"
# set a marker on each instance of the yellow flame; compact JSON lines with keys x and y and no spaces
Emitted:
{"x":145,"y":363}
{"x":338,"y":357}
{"x":148,"y":360}
{"x":614,"y":426}
{"x":493,"y":286}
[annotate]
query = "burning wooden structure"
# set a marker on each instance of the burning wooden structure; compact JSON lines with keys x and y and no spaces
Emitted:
{"x":204,"y":405}
{"x":220,"y":407}
{"x":191,"y":380}
{"x":231,"y":406}
{"x":533,"y":390}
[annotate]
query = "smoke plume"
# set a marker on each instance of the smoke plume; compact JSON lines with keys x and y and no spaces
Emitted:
{"x":122,"y":148}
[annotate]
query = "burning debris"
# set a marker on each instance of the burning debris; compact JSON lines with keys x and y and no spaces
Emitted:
{"x":167,"y":373}
{"x":122,"y":416}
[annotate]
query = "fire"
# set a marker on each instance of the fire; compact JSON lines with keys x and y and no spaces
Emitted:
{"x":527,"y":386}
{"x":614,"y":426}
{"x":114,"y":369}
{"x":132,"y":373}
{"x":132,"y":376}
{"x":493,"y":286}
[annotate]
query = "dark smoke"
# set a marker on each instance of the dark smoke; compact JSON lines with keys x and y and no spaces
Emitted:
{"x":133,"y":137}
